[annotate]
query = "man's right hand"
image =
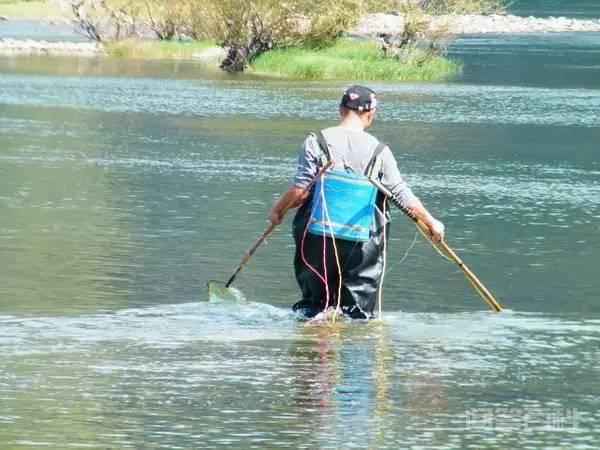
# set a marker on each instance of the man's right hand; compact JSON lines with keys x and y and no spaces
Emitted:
{"x":291,"y":198}
{"x":275,"y":217}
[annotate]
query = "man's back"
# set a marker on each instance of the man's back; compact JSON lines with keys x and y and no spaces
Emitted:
{"x":335,"y":268}
{"x":350,"y":149}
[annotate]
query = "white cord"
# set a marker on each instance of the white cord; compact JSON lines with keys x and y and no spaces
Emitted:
{"x":407,"y":251}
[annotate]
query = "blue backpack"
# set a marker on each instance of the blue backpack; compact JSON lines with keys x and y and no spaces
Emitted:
{"x":343,"y":201}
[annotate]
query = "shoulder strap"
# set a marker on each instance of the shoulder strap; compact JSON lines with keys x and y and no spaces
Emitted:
{"x":374,"y":166}
{"x":325,"y":157}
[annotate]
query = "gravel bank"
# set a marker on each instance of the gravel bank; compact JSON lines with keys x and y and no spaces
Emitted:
{"x":31,"y":47}
{"x":369,"y":25}
{"x":373,"y":24}
{"x":10,"y":47}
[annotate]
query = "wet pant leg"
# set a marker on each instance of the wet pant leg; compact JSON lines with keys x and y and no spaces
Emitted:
{"x":362,"y":267}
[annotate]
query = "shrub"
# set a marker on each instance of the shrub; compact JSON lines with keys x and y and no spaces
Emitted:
{"x":463,"y":6}
{"x":168,"y":19}
{"x":418,"y":32}
{"x":248,"y":28}
{"x":103,"y":21}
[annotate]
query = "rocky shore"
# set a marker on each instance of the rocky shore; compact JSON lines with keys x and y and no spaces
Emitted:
{"x":31,"y":47}
{"x":370,"y":25}
{"x":373,"y":24}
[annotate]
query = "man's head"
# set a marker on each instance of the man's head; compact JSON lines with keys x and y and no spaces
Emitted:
{"x":361,"y":102}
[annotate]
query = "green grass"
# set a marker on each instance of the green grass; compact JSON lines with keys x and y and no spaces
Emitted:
{"x":157,"y":49}
{"x":16,"y":9}
{"x":345,"y":60}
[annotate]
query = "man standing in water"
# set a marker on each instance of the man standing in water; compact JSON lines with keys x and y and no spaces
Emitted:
{"x":340,"y":229}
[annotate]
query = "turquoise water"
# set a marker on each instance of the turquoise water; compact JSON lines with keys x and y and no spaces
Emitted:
{"x":126,"y":185}
{"x":580,"y":9}
{"x":553,"y":60}
{"x":33,"y":29}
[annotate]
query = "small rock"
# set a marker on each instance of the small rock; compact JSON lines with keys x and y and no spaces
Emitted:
{"x":216,"y":54}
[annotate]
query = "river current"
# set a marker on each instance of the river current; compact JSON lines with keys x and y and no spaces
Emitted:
{"x":126,"y":185}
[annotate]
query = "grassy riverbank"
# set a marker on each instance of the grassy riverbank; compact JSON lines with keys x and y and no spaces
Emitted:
{"x":346,"y":59}
{"x":158,"y":49}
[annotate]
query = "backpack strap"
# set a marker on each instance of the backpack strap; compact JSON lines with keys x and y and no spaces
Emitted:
{"x":375,"y":165}
{"x":325,"y":155}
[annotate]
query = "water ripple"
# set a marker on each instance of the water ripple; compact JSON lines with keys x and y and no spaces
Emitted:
{"x":432,"y":103}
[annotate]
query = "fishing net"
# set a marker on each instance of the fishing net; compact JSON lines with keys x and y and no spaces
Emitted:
{"x":218,"y":292}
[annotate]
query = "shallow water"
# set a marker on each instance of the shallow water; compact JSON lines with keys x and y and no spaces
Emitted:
{"x":41,"y":31}
{"x":197,"y":375}
{"x":125,"y":186}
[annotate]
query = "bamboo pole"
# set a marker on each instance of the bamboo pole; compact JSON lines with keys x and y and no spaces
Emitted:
{"x":250,"y":251}
{"x":477,"y":284}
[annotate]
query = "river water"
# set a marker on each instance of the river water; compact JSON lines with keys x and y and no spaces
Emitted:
{"x":580,"y":9}
{"x":126,"y":185}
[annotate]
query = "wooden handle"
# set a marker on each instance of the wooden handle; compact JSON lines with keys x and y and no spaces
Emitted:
{"x":477,"y":284}
{"x":487,"y":295}
{"x":250,"y":251}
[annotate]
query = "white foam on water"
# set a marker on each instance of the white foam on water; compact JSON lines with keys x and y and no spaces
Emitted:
{"x":225,"y":321}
